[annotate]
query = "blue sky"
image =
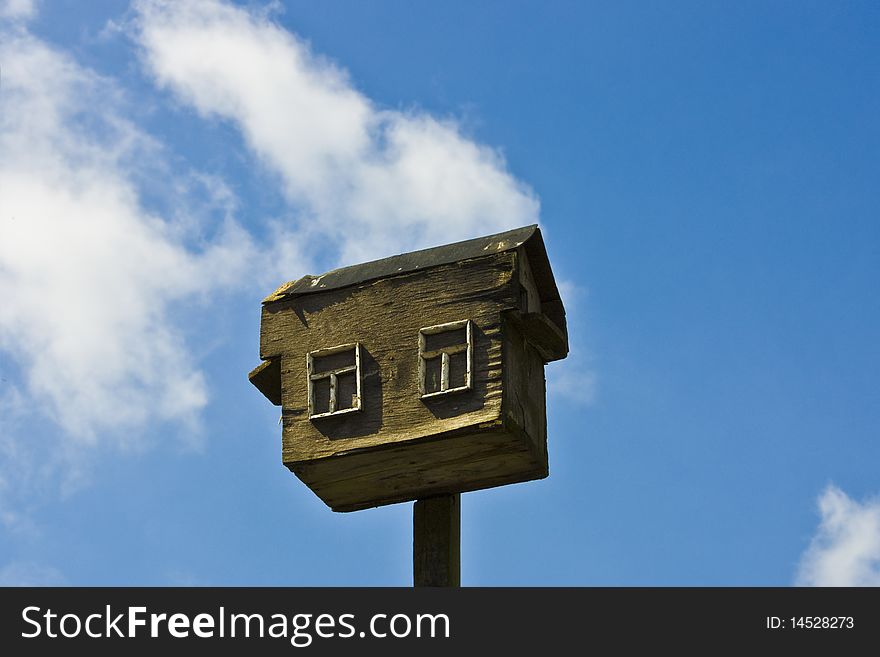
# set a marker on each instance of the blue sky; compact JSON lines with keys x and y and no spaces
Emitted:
{"x":705,"y":175}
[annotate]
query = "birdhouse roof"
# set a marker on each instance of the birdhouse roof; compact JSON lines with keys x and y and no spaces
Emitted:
{"x":528,"y":236}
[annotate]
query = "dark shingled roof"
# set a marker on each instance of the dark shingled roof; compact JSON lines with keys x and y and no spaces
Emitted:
{"x":530,"y":236}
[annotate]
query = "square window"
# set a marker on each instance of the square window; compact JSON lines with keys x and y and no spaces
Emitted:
{"x":446,"y":358}
{"x":334,"y":380}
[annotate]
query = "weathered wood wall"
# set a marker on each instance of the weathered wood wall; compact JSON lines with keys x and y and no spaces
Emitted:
{"x":385,"y":317}
{"x":524,"y":399}
{"x":400,"y":446}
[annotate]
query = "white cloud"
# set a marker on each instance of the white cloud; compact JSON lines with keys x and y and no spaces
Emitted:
{"x":574,"y":380}
{"x":87,"y":275}
{"x":369,"y":181}
{"x":94,"y":287}
{"x":845,"y":550}
{"x":18,"y":9}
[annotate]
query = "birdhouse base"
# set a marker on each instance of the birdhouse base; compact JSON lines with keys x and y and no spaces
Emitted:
{"x":490,"y":454}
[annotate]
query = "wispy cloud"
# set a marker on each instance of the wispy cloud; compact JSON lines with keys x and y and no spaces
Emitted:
{"x":91,"y":332}
{"x":574,"y":379}
{"x":368,"y":181}
{"x":18,"y":9}
{"x":845,"y":550}
{"x":87,"y":275}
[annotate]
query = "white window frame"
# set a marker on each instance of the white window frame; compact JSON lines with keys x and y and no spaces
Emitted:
{"x":444,"y":354}
{"x":332,"y":375}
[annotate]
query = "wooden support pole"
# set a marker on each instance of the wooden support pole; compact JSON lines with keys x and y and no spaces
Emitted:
{"x":437,"y":541}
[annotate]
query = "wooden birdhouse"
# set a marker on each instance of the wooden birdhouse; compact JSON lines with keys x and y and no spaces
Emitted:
{"x":417,"y":375}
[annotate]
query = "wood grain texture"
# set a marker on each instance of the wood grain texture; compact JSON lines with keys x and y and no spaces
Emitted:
{"x":385,"y":317}
{"x":267,"y":378}
{"x":456,"y":462}
{"x":541,"y":333}
{"x":524,"y":399}
{"x":437,"y":541}
{"x":400,"y":446}
{"x":530,"y":298}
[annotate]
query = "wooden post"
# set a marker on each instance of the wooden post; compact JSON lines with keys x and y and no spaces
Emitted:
{"x":437,"y":541}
